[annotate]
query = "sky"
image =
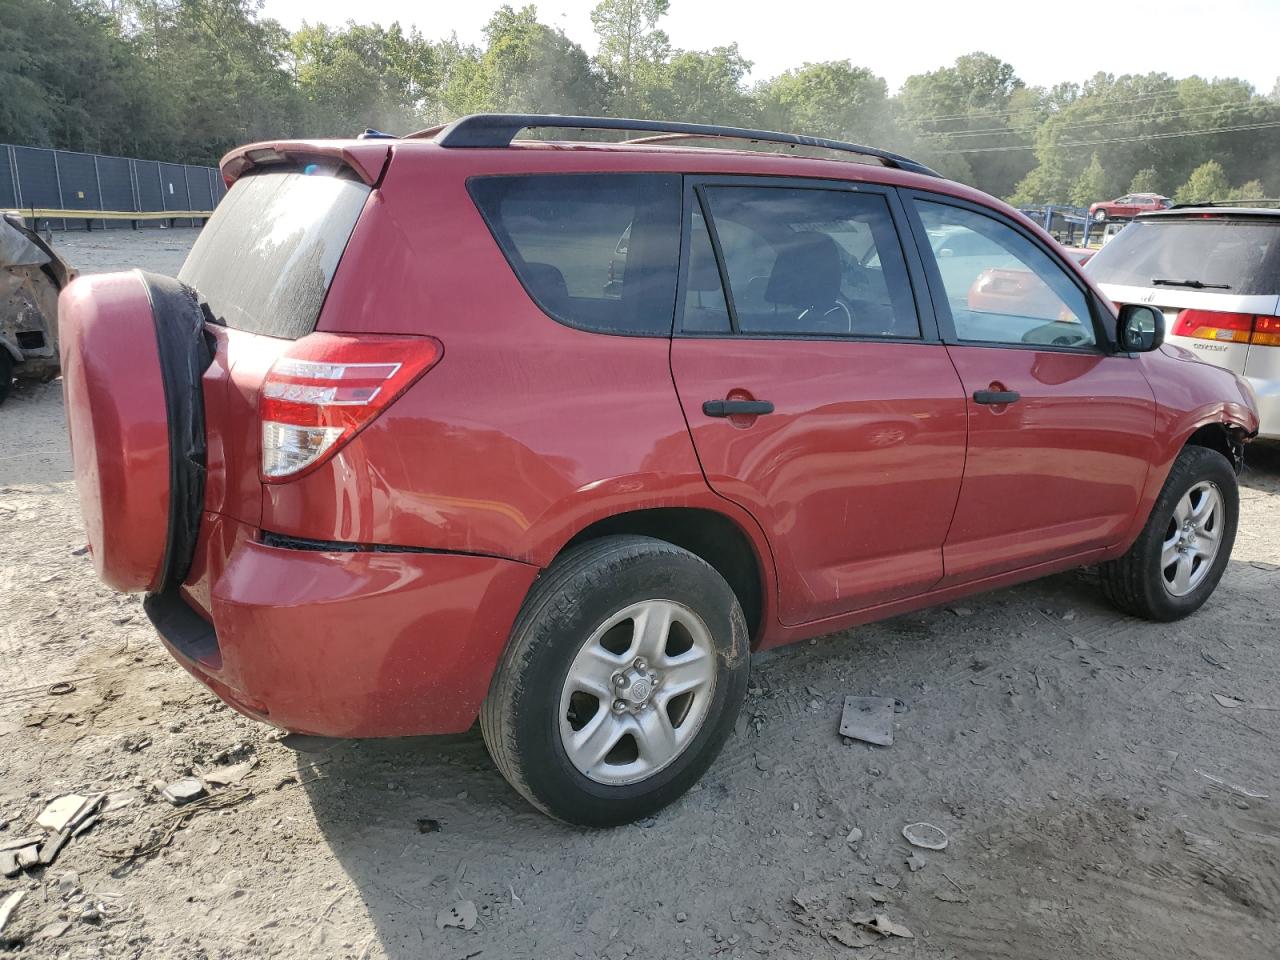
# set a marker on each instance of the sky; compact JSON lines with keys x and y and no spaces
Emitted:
{"x":1045,"y":42}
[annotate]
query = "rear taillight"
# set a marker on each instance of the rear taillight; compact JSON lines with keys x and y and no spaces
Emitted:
{"x":1266,"y":332}
{"x":326,"y":388}
{"x":1212,"y":325}
{"x":1229,"y":327}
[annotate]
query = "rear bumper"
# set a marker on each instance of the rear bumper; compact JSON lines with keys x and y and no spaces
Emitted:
{"x":362,"y":644}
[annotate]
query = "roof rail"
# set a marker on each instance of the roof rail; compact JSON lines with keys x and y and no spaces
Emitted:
{"x":499,"y":129}
{"x":1254,"y":202}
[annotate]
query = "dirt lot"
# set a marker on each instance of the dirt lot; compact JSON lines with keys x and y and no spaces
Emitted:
{"x":1067,"y":751}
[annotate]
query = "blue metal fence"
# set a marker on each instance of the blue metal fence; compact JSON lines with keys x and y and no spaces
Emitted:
{"x":37,"y":178}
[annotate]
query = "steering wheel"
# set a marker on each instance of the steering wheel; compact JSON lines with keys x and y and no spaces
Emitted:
{"x":836,"y":308}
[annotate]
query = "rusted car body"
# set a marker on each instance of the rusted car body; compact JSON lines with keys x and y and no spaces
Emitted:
{"x":32,"y":274}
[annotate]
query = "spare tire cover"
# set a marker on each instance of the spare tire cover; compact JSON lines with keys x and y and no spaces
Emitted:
{"x":133,"y":353}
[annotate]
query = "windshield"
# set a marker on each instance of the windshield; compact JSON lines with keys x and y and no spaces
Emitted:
{"x":264,"y":261}
{"x":1242,"y":255}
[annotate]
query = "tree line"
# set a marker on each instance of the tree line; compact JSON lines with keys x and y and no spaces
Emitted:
{"x":185,"y":80}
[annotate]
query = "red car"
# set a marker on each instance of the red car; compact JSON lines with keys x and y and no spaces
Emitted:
{"x":396,"y":450}
{"x":1128,"y":206}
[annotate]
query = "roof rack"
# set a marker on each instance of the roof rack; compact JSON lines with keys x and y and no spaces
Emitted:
{"x":1256,"y":202}
{"x":499,"y":129}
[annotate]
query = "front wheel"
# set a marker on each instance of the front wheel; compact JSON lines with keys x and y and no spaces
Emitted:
{"x":623,"y":677}
{"x":1100,"y":216}
{"x":1180,"y":556}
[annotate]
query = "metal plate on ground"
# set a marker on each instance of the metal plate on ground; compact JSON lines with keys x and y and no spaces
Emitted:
{"x":869,"y":719}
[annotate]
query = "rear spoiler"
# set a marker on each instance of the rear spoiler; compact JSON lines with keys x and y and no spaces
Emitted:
{"x":368,"y":158}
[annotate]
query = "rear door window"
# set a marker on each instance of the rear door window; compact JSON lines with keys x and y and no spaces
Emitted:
{"x":264,"y":261}
{"x":1228,"y":256}
{"x":596,"y":251}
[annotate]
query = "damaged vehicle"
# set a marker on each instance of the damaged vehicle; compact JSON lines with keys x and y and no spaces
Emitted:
{"x":32,"y":274}
{"x":413,"y":440}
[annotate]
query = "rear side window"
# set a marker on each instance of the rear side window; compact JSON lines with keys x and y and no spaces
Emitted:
{"x":1243,"y":255}
{"x":264,"y":261}
{"x":597,"y":251}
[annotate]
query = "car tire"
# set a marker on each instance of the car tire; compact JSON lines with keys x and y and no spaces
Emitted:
{"x":6,"y":374}
{"x":580,"y":630}
{"x":1165,"y":576}
{"x":1100,"y":216}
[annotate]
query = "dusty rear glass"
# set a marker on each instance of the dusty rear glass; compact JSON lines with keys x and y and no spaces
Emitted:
{"x":1243,"y":254}
{"x":264,"y":261}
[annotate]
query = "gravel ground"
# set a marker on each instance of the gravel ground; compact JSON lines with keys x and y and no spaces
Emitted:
{"x":1068,"y":751}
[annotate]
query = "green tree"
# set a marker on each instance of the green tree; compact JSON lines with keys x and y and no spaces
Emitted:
{"x":1091,"y":185}
{"x":1145,"y":180}
{"x":833,"y":99}
{"x":1208,"y":182}
{"x":704,"y":87}
{"x":526,"y":66}
{"x":1252,"y":190}
{"x":632,"y":49}
{"x":977,"y":112}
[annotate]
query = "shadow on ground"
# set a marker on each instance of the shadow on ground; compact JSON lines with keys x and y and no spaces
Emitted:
{"x":1059,"y":743}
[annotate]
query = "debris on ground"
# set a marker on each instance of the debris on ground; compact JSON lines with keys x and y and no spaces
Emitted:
{"x":854,"y":936}
{"x":8,"y":906}
{"x":916,"y":862}
{"x":228,"y":776}
{"x":68,"y":811}
{"x":925,"y":835}
{"x":853,"y":836}
{"x":183,"y":791}
{"x":889,"y":880}
{"x":462,"y":914}
{"x":1228,"y":702}
{"x":52,"y":931}
{"x":61,"y":819}
{"x":869,"y":719}
{"x":882,"y":925}
{"x":1233,"y":788}
{"x":175,"y":820}
{"x":429,"y":825}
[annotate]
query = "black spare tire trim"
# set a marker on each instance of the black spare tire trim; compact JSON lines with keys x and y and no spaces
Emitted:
{"x":184,"y":357}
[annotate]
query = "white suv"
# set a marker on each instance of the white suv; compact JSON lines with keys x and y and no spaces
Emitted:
{"x":1215,"y":274}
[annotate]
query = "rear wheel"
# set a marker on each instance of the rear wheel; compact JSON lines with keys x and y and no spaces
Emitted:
{"x":1180,"y":556}
{"x":623,"y":677}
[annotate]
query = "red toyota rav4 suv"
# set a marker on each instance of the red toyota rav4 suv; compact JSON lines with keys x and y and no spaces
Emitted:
{"x":557,"y":434}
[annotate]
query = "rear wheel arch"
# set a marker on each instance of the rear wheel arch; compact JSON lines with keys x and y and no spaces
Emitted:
{"x":708,"y":534}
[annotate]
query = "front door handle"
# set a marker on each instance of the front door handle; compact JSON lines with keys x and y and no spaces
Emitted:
{"x":996,"y":397}
{"x":736,"y":408}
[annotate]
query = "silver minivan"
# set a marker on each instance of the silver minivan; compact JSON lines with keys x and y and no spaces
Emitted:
{"x":1215,"y":274}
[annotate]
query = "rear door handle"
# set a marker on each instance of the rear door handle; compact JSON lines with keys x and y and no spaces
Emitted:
{"x":736,"y":408}
{"x":996,"y":397}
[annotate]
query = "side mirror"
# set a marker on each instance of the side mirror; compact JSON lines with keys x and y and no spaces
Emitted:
{"x":1140,"y":328}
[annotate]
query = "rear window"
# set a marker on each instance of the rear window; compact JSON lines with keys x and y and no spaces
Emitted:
{"x":1244,"y":255}
{"x":597,"y":251}
{"x":264,"y":261}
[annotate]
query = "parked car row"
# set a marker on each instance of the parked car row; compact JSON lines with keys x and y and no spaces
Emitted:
{"x":455,"y":426}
